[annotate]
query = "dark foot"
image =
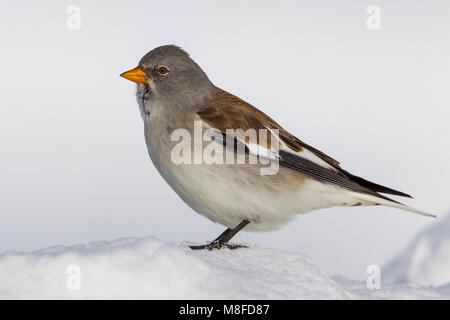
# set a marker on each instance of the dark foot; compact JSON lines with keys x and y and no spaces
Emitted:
{"x":222,"y":240}
{"x":217,"y":245}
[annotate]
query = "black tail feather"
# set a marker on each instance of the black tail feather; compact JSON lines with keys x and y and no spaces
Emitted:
{"x":375,"y":187}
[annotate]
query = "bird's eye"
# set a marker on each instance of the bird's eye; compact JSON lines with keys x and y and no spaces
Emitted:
{"x":162,"y":70}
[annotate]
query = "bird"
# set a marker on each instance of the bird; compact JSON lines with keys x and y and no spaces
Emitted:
{"x":190,"y":124}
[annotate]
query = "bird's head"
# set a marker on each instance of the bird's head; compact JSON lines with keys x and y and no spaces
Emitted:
{"x":167,"y":72}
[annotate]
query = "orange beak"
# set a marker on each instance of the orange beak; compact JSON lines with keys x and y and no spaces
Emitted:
{"x":136,"y":75}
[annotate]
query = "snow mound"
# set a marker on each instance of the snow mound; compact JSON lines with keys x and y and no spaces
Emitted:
{"x":148,"y":268}
{"x":358,"y":290}
{"x":426,"y":261}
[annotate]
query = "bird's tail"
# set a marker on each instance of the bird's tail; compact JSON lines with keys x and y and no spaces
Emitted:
{"x":367,"y":199}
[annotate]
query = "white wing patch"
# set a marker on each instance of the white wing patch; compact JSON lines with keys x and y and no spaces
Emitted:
{"x":253,"y":148}
{"x":305,"y":153}
{"x":261,"y":151}
{"x":308,"y":155}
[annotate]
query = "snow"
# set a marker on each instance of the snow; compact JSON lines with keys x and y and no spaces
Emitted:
{"x":152,"y":269}
{"x":148,"y":268}
{"x":358,"y":290}
{"x":426,"y":261}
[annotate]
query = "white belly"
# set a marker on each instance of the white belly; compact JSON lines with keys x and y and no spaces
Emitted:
{"x":228,"y":194}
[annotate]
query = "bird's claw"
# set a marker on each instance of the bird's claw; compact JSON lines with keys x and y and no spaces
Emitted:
{"x":217,"y":245}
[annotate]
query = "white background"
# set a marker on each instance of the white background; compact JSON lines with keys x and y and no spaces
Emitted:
{"x":73,"y":162}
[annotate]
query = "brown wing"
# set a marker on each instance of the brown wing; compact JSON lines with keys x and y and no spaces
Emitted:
{"x":226,"y":111}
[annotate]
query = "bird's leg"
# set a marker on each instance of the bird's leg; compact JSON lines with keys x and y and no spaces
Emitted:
{"x":222,"y":240}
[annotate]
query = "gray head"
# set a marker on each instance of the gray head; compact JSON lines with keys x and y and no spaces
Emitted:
{"x":167,"y":72}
